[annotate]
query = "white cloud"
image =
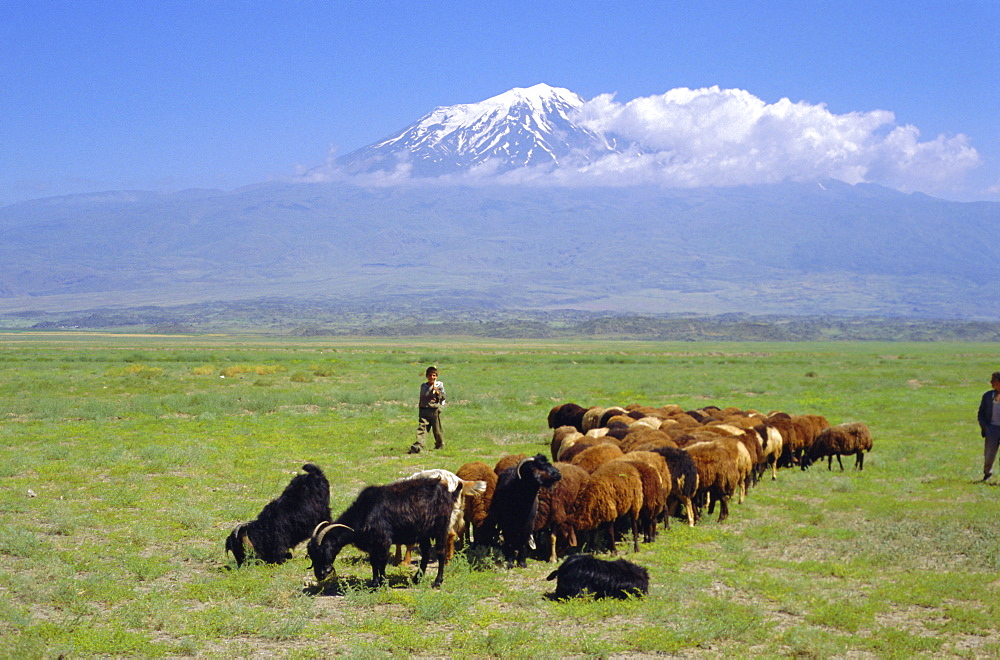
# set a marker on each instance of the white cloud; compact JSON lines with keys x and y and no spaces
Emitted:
{"x":716,"y":136}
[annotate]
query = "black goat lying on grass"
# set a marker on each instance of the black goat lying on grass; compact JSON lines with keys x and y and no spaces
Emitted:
{"x":285,"y":521}
{"x":585,"y":574}
{"x":408,"y":512}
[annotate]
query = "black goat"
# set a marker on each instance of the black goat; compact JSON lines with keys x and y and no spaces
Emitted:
{"x":409,"y":512}
{"x":285,"y":521}
{"x":585,"y":574}
{"x":515,"y":502}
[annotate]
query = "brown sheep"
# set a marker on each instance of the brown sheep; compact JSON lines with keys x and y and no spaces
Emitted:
{"x":772,"y":446}
{"x":670,"y":409}
{"x":614,"y":491}
{"x":654,"y":443}
{"x":840,"y":440}
{"x":647,"y":411}
{"x":650,"y":421}
{"x":554,"y":505}
{"x":507,"y":461}
{"x":640,"y":436}
{"x":720,"y":473}
{"x":754,"y":446}
{"x":592,"y":458}
{"x":681,"y":419}
{"x":807,"y":427}
{"x":477,"y":507}
{"x":655,"y":489}
{"x":567,"y":454}
{"x":592,"y":418}
{"x":782,"y":422}
{"x":614,"y":411}
{"x":563,"y":436}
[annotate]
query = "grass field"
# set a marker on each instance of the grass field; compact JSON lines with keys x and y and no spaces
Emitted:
{"x":126,"y":460}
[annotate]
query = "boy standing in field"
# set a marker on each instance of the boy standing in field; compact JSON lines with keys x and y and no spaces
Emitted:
{"x":429,"y":417}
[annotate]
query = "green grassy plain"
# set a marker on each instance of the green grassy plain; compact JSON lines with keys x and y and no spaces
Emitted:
{"x":126,"y":460}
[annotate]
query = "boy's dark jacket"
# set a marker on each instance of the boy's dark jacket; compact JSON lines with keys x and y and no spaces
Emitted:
{"x":986,"y":411}
{"x":431,"y":398}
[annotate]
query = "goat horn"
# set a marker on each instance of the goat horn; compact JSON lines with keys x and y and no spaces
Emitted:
{"x":523,"y":461}
{"x":320,"y":531}
{"x":316,"y":528}
{"x":319,"y":539}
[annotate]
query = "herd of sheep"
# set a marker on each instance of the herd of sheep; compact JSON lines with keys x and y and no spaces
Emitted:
{"x":612,"y":471}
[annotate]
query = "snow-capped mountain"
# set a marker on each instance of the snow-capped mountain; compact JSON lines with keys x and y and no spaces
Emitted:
{"x":524,"y":127}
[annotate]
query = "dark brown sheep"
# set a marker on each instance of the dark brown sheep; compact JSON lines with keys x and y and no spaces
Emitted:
{"x":554,"y":505}
{"x":840,"y":440}
{"x":683,"y":482}
{"x":567,"y":414}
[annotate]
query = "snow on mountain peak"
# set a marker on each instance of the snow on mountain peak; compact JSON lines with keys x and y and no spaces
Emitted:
{"x":535,"y":96}
{"x":520,"y":127}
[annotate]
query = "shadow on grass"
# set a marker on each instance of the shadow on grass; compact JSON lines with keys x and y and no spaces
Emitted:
{"x":343,"y":585}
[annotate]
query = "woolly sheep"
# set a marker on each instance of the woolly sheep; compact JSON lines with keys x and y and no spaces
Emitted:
{"x":721,"y":472}
{"x":563,"y":437}
{"x":655,"y":489}
{"x":592,"y":458}
{"x":614,"y":491}
{"x":782,"y":422}
{"x":571,"y":450}
{"x":567,"y":414}
{"x":467,"y":491}
{"x":554,"y":504}
{"x":807,"y":427}
{"x":507,"y":461}
{"x":592,"y":418}
{"x":613,"y":411}
{"x":683,"y":482}
{"x":840,"y":440}
{"x":477,"y":507}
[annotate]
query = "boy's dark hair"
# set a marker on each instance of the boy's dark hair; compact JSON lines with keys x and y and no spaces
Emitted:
{"x":996,"y":375}
{"x":433,"y":370}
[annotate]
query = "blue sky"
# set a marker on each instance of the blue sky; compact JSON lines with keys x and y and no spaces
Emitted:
{"x":218,"y":94}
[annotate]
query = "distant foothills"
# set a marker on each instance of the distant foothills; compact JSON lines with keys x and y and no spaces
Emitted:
{"x":350,"y":241}
{"x":318,"y":319}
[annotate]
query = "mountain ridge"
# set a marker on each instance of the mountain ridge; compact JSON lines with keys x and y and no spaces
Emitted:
{"x":787,"y":248}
